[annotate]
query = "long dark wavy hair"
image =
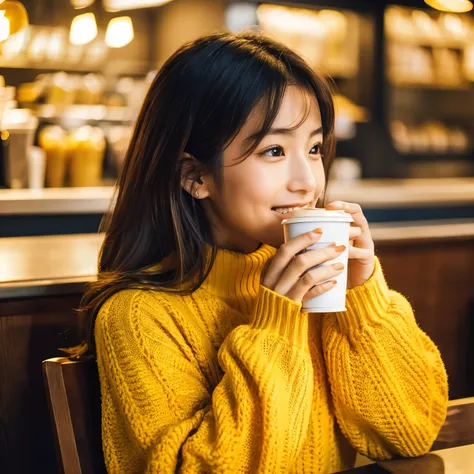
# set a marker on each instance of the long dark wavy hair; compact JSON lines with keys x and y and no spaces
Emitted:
{"x":198,"y":102}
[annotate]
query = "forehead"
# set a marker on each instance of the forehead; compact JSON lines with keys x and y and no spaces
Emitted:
{"x":299,"y":108}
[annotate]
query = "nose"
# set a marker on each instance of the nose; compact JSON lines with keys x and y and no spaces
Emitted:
{"x":301,"y":176}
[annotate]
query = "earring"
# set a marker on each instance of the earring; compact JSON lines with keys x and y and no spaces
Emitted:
{"x":199,"y":181}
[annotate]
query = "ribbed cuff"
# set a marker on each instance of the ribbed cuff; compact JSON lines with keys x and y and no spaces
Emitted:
{"x":366,"y":303}
{"x":281,"y":315}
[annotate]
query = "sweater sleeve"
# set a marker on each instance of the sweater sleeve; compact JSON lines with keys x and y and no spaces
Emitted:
{"x":161,"y":413}
{"x":388,"y":381}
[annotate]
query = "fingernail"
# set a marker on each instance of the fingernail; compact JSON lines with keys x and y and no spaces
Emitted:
{"x":340,"y":248}
{"x":338,"y":266}
{"x":333,"y":282}
{"x":318,"y":231}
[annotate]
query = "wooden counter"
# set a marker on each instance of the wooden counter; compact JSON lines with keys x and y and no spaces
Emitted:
{"x":53,"y":211}
{"x":62,"y":264}
{"x":369,"y":193}
{"x":459,"y":460}
{"x":49,"y":265}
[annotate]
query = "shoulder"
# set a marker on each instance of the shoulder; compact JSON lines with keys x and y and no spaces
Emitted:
{"x":143,"y":323}
{"x":146,"y":312}
{"x":134,"y":306}
{"x":132,"y":321}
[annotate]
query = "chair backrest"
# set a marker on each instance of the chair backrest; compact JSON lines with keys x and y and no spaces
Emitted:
{"x":73,"y":392}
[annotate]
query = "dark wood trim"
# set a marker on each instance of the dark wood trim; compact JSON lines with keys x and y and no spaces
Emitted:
{"x":66,"y":449}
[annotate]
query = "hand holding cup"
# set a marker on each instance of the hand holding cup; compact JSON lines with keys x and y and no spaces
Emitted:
{"x":301,"y":274}
{"x":336,"y":233}
{"x":361,"y":245}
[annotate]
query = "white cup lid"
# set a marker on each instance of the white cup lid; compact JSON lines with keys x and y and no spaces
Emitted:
{"x":309,"y":215}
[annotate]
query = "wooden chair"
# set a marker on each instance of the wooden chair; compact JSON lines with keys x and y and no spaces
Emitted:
{"x":73,"y":392}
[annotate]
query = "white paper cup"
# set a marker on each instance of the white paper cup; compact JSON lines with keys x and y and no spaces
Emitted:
{"x":336,"y":227}
{"x":36,"y":167}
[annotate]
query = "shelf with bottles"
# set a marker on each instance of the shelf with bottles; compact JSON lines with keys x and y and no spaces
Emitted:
{"x":85,"y":113}
{"x":327,"y":38}
{"x":431,"y":140}
{"x":429,"y":50}
{"x":428,"y":27}
{"x":72,"y":98}
{"x":83,"y":156}
{"x":348,"y":115}
{"x":83,"y":123}
{"x":48,"y":48}
{"x":439,"y":68}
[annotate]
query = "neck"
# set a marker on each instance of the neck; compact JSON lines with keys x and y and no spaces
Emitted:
{"x":235,"y":276}
{"x":227,"y":237}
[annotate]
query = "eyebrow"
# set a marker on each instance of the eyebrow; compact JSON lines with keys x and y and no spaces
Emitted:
{"x":283,"y":131}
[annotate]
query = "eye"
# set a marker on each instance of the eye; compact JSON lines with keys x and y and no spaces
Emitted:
{"x":316,"y":150}
{"x":274,"y":151}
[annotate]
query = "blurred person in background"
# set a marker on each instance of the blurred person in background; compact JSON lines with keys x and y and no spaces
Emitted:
{"x":206,"y":361}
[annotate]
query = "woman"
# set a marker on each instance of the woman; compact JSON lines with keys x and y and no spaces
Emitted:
{"x":206,"y":365}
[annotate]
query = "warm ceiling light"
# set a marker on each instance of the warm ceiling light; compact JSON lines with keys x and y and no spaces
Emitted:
{"x":83,"y":29}
{"x":290,"y":20}
{"x":13,"y":18}
{"x":454,"y":6}
{"x":77,"y":4}
{"x":119,"y":32}
{"x":117,"y":5}
{"x":4,"y":26}
{"x":239,"y":16}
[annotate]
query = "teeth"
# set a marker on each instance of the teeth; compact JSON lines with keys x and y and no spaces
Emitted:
{"x":286,"y":210}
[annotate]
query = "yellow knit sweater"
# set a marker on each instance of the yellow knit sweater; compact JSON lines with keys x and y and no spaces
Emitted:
{"x":236,"y":378}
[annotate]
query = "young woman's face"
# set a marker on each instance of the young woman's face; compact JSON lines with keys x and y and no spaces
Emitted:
{"x":285,"y":171}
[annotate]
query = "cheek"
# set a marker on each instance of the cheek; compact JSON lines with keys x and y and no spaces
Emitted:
{"x":251,"y":185}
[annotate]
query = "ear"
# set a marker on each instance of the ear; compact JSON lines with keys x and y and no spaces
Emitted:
{"x":193,"y":177}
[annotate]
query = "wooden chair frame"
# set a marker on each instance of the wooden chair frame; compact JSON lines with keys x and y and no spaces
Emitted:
{"x":73,"y":393}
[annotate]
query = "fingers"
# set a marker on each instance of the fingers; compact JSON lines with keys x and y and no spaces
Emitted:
{"x":313,"y":279}
{"x":365,"y":238}
{"x":361,"y":254}
{"x":355,"y":233}
{"x":353,"y":209}
{"x":319,"y":290}
{"x":286,"y":253}
{"x":304,"y":262}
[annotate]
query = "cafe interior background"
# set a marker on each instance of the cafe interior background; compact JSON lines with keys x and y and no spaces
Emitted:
{"x":73,"y":76}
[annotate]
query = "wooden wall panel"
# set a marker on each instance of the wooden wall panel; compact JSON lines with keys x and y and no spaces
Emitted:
{"x":30,"y":331}
{"x":438,"y":280}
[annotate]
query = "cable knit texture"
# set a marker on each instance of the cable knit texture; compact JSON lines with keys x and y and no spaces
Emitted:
{"x":236,"y":378}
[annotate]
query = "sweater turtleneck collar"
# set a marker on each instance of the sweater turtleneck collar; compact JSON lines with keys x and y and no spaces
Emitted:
{"x":235,"y":277}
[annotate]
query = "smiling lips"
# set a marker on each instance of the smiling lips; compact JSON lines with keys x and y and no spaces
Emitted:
{"x":286,"y":210}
